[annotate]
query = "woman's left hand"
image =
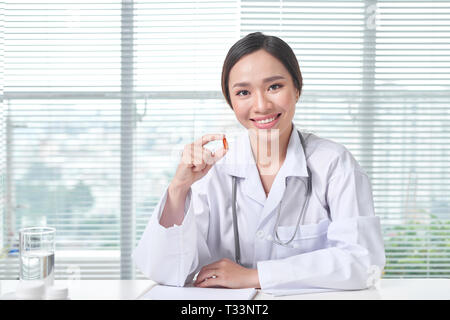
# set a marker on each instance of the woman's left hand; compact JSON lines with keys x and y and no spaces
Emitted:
{"x":227,"y":274}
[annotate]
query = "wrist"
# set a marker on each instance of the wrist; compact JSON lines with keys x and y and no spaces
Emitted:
{"x":176,"y":187}
{"x":254,"y":279}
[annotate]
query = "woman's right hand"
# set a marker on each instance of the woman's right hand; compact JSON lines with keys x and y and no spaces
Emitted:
{"x":196,"y":161}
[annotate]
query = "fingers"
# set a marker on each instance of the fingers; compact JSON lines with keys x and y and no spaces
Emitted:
{"x":226,"y":273}
{"x":205,"y":274}
{"x":219,"y":154}
{"x":205,"y":277}
{"x":195,"y":155}
{"x":210,"y":278}
{"x":208,"y":138}
{"x":201,"y":158}
{"x":211,"y":283}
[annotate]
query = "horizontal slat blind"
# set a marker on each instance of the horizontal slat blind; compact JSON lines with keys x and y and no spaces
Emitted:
{"x":410,"y":170}
{"x":2,"y":125}
{"x":181,"y":45}
{"x":65,"y":148}
{"x":376,"y":79}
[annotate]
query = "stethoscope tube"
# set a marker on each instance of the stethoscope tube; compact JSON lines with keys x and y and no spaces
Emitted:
{"x":237,"y":249}
{"x":276,"y":240}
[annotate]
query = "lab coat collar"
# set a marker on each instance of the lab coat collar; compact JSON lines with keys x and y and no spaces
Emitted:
{"x":295,"y":163}
{"x":293,"y":166}
{"x":239,"y":158}
{"x":240,"y":162}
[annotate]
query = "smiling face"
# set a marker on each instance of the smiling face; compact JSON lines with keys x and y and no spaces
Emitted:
{"x":262,"y":93}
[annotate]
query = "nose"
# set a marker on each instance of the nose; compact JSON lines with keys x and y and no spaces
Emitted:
{"x":262,"y":102}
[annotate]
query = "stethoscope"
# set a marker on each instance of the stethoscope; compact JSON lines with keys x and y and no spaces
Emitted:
{"x":276,"y":238}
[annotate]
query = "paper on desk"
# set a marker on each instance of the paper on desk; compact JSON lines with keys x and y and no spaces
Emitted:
{"x":289,"y":292}
{"x":160,"y":292}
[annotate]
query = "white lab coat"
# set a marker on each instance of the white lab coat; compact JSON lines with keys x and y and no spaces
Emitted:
{"x":336,"y":254}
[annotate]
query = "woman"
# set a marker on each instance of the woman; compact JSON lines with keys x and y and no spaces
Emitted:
{"x":333,"y":243}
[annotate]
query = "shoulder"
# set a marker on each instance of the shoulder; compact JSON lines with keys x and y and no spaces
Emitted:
{"x":329,"y":156}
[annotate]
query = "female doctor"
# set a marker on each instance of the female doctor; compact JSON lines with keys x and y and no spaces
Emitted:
{"x":303,"y":214}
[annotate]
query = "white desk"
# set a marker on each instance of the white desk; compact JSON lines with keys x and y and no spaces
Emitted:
{"x":94,"y":289}
{"x":389,"y":289}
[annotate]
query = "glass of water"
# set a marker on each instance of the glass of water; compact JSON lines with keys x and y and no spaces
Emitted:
{"x":37,"y":254}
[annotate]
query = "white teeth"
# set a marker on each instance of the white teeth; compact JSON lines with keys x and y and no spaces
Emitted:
{"x":267,"y":120}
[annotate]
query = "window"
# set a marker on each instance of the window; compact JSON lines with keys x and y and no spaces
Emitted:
{"x":100,"y":98}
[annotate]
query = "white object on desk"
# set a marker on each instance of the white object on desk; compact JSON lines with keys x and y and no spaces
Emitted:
{"x":160,"y":292}
{"x":30,"y":290}
{"x":90,"y":289}
{"x":57,"y":292}
{"x":290,"y":292}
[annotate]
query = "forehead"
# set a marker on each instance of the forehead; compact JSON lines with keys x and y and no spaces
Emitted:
{"x":256,"y":66}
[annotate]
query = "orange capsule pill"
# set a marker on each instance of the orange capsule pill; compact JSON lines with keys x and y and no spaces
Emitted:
{"x":225,"y":143}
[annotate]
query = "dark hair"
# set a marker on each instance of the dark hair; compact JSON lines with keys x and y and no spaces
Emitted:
{"x":253,"y":42}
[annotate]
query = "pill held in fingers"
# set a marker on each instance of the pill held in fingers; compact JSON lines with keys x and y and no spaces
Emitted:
{"x":225,"y":143}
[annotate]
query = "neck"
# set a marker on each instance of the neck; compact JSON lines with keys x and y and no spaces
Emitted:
{"x":269,"y":148}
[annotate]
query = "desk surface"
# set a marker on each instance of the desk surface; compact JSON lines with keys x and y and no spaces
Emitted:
{"x":93,"y":289}
{"x":388,"y":289}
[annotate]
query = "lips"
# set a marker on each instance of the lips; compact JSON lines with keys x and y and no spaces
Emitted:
{"x":273,"y":115}
{"x":266,"y":124}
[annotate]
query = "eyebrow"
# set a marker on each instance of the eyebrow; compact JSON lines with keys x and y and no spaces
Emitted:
{"x":269,"y":79}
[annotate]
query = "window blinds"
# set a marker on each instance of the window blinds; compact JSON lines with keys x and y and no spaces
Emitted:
{"x":62,"y":97}
{"x":2,"y":127}
{"x":100,"y":98}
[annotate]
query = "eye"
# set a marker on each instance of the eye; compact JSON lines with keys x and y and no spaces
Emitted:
{"x":239,"y":93}
{"x":276,"y":85}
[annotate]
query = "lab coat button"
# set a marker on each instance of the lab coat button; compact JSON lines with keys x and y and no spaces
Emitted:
{"x":260,"y":234}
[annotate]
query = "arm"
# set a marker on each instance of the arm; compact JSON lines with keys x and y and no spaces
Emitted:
{"x":174,"y":212}
{"x":174,"y":241}
{"x":170,"y":255}
{"x":355,"y":244}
